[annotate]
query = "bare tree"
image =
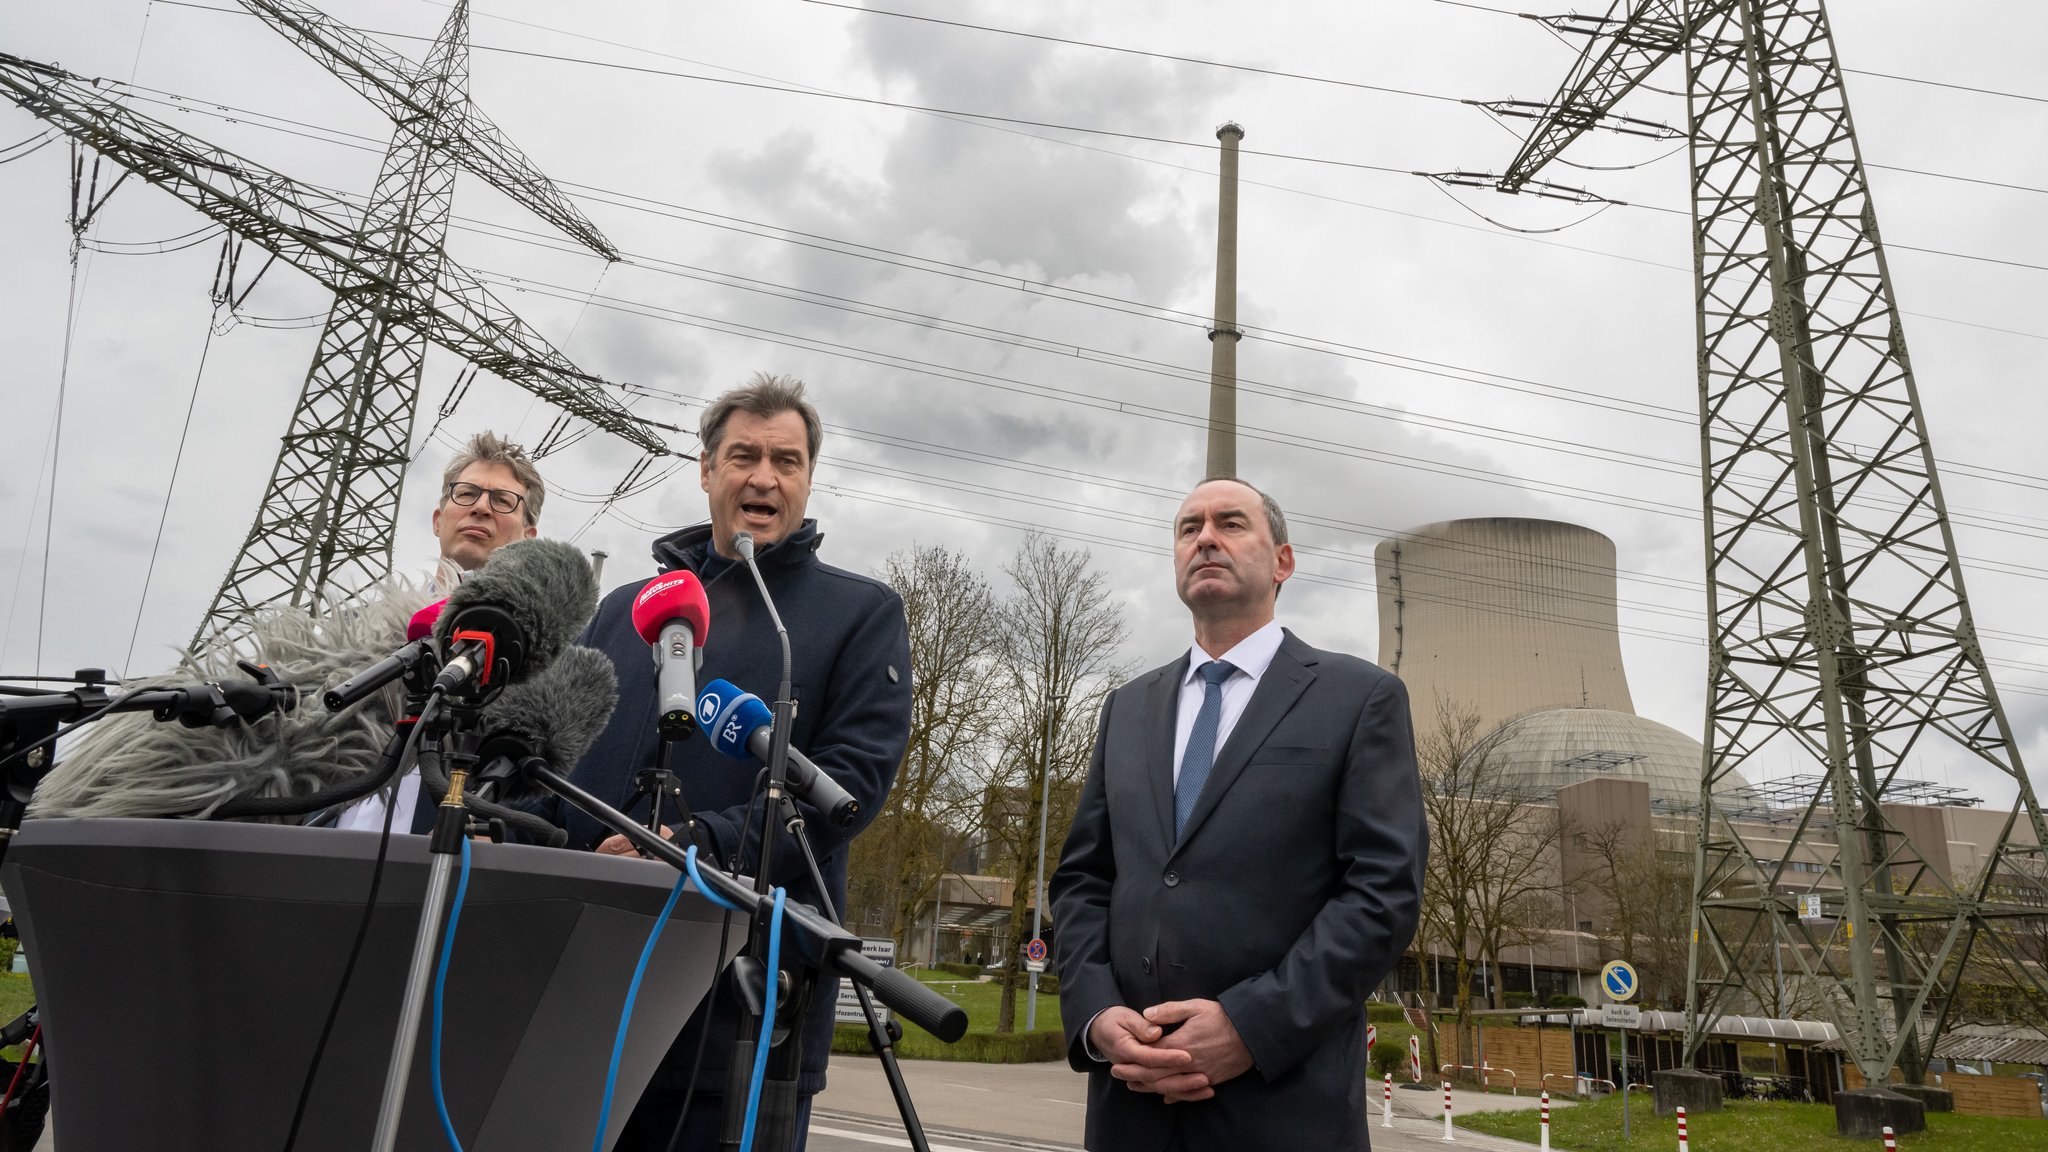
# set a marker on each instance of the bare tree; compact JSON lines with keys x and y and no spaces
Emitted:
{"x":1061,"y":631}
{"x":1644,"y":891}
{"x":897,"y":863}
{"x":1492,"y":853}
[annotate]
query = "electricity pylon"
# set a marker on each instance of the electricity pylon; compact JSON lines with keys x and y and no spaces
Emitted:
{"x":1840,"y":633}
{"x":326,"y":523}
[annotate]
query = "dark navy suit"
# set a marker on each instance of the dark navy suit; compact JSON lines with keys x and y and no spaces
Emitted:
{"x":1291,"y":892}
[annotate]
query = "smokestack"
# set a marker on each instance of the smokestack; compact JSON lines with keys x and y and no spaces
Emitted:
{"x":1223,"y":337}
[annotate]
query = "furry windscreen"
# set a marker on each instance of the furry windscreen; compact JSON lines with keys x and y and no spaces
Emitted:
{"x":130,"y":765}
{"x":545,"y":585}
{"x":557,"y":714}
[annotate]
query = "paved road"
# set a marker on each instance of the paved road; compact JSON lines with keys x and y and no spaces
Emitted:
{"x":1004,"y":1107}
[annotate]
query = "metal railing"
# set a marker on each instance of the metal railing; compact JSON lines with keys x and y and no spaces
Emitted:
{"x":1482,"y":1071}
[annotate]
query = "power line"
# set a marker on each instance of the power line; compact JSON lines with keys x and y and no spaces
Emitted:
{"x":1275,"y":72}
{"x":1309,"y":343}
{"x":1083,"y":399}
{"x":1118,"y":134}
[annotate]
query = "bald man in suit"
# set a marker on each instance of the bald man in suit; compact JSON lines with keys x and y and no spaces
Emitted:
{"x":1245,"y":866}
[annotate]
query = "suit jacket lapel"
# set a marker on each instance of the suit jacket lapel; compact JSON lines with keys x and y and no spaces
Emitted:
{"x":1286,"y":678}
{"x":1162,"y":707}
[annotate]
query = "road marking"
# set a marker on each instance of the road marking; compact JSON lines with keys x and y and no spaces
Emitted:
{"x":890,"y":1141}
{"x":1068,"y":1103}
{"x":969,"y":1087}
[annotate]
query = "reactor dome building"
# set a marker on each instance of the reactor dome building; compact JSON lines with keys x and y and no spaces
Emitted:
{"x":1515,"y":621}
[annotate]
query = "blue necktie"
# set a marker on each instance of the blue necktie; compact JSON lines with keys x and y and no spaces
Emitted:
{"x":1201,"y":754}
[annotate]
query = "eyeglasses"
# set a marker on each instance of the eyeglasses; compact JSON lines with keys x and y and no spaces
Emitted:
{"x":503,"y":502}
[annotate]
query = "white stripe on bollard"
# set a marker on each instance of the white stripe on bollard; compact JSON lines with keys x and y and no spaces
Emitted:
{"x":1681,"y":1128}
{"x":1387,"y":1109}
{"x":1447,"y":1112}
{"x":1546,"y":1120}
{"x":1891,"y":1140}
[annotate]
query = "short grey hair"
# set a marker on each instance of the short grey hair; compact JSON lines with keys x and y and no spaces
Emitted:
{"x":1276,"y":522}
{"x":488,"y":447}
{"x":765,"y":395}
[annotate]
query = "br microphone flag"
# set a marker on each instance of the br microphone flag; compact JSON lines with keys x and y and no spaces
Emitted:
{"x":672,"y":614}
{"x":740,"y":725}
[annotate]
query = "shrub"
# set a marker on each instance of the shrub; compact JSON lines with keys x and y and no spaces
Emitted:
{"x":969,"y":971}
{"x":1379,"y":1013}
{"x":1561,"y":1000}
{"x":1520,"y":1000}
{"x":1388,"y":1059}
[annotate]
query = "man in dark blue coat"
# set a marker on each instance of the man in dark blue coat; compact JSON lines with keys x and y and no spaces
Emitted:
{"x":850,"y":651}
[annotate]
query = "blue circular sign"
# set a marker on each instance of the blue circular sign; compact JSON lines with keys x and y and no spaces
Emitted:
{"x":1618,"y":979}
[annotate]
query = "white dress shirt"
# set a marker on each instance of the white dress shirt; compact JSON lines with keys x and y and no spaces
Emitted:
{"x":1252,"y":656}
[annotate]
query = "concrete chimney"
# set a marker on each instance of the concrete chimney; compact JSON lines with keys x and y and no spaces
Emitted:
{"x":1223,"y":337}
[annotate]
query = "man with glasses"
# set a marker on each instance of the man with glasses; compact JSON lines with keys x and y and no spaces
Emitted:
{"x":490,"y":496}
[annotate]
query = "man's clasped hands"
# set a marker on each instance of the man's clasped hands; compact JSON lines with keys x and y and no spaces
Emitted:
{"x":1183,"y":1064}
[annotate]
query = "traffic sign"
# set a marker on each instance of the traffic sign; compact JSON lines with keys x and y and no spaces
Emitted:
{"x":1034,"y":965}
{"x":882,"y":952}
{"x":1619,"y":981}
{"x":1809,"y":908}
{"x":1620,"y":1016}
{"x":1372,"y":1037}
{"x":1035,"y":952}
{"x":1415,"y":1059}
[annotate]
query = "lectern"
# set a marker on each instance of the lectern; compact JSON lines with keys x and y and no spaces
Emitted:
{"x":184,"y":969}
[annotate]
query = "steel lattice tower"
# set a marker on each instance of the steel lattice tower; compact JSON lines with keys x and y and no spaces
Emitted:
{"x":1839,"y":629}
{"x":327,"y":522}
{"x":325,"y":526}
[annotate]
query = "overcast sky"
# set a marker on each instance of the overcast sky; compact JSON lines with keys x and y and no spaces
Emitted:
{"x":1017,"y":340}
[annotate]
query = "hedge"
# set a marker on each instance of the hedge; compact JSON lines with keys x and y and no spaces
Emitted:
{"x":975,"y":1047}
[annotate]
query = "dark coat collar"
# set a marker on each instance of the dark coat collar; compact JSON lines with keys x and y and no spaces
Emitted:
{"x":691,"y":548}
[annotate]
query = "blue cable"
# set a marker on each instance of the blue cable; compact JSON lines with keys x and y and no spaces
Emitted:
{"x":611,"y":1076}
{"x":709,"y":893}
{"x":440,"y":984}
{"x":768,"y":1011}
{"x":767,"y":1024}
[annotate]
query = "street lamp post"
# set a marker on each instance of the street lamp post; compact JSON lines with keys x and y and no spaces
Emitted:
{"x":1044,"y":817}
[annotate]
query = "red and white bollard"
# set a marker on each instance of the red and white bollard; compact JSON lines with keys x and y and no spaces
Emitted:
{"x":1891,"y":1140}
{"x":1546,"y":1120}
{"x":1447,"y":1112}
{"x":1681,"y":1128}
{"x":1387,"y":1107}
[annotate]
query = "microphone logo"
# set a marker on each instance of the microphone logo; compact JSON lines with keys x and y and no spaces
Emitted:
{"x":707,"y":710}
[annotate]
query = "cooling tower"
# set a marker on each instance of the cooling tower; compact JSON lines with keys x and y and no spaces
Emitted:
{"x":1501,"y":615}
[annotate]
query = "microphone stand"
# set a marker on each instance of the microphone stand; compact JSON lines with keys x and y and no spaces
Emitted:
{"x":881,"y":1037}
{"x":809,"y":938}
{"x":775,"y":1124}
{"x":454,"y":719}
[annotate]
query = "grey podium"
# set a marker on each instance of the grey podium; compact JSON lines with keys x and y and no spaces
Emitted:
{"x":184,"y":969}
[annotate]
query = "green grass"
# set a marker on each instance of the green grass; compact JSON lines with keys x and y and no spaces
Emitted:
{"x":1747,"y":1126}
{"x":982,"y":1044}
{"x":983,"y":1001}
{"x":15,"y":997}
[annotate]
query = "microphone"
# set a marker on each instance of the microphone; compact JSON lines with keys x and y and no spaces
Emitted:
{"x":554,"y":715}
{"x":739,"y":725}
{"x":515,"y":615}
{"x":419,"y":634}
{"x":672,"y":614}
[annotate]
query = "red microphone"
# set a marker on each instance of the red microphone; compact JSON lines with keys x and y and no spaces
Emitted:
{"x":672,"y":614}
{"x":422,"y":625}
